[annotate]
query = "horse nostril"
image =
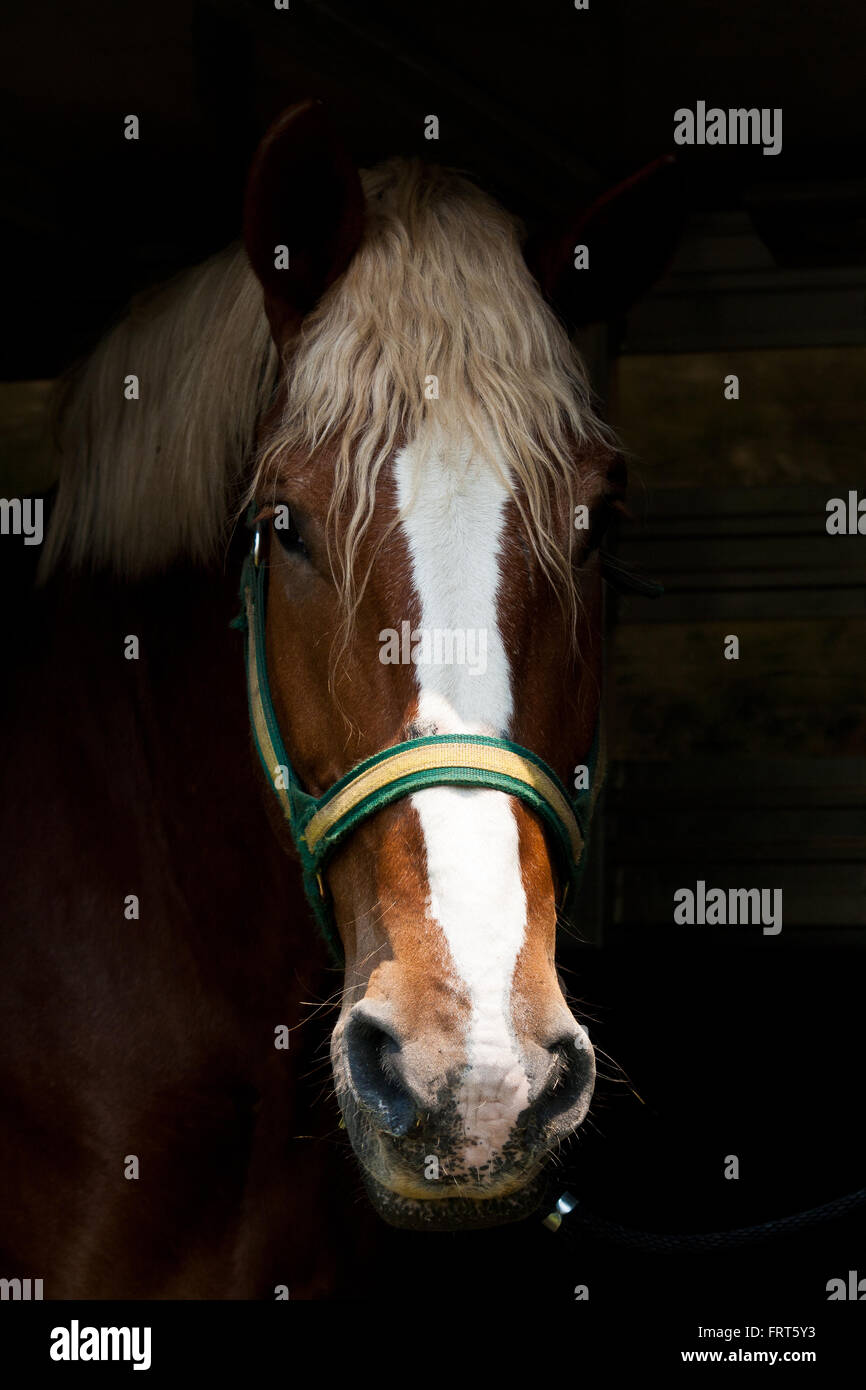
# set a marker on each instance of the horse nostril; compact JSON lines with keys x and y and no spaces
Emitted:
{"x":569,"y":1081}
{"x":369,"y":1050}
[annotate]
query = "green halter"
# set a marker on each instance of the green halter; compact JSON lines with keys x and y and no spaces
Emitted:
{"x":319,"y":825}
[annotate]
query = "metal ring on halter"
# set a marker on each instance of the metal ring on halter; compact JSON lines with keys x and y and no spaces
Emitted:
{"x":565,"y":1204}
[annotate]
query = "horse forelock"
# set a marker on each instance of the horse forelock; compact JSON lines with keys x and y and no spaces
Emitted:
{"x":436,"y":333}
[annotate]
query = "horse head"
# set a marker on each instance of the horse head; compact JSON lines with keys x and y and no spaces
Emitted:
{"x":431,"y":489}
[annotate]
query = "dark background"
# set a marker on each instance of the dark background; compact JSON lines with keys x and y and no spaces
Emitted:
{"x":535,"y":99}
{"x":750,"y":773}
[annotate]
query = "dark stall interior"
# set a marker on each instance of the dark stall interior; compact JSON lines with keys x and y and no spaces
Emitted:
{"x":751,"y":772}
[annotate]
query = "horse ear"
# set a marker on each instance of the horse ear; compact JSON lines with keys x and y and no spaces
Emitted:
{"x":303,"y":212}
{"x":629,"y":234}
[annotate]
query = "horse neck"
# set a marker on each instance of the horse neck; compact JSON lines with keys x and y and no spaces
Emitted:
{"x":161,"y":745}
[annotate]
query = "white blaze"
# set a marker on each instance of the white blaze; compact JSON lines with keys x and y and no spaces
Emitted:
{"x":453,"y":514}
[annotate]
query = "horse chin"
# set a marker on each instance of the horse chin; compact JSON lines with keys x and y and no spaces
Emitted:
{"x":454,"y":1213}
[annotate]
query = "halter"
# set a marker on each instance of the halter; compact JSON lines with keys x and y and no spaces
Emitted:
{"x":318,"y":825}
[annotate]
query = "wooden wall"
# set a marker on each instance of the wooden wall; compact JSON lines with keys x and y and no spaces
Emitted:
{"x":749,"y":772}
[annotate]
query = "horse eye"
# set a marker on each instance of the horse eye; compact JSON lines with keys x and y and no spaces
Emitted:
{"x":288,"y":534}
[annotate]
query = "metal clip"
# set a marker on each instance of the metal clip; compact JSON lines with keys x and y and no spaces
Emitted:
{"x":553,"y":1220}
{"x":257,"y":545}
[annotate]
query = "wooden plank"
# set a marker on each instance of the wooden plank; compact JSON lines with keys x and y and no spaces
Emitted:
{"x":799,"y":423}
{"x":807,"y":576}
{"x":738,"y":605}
{"x":744,"y":553}
{"x":798,"y":824}
{"x":27,"y":462}
{"x":801,"y":828}
{"x":803,"y":558}
{"x":797,"y":690}
{"x":761,"y":308}
{"x":734,"y":782}
{"x":723,"y":502}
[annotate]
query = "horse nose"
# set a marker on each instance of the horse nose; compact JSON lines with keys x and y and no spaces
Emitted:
{"x":370,"y":1051}
{"x":373,"y":1048}
{"x":568,"y":1086}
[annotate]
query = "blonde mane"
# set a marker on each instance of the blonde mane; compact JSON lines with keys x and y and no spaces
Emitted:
{"x":145,"y":482}
{"x":437,"y":289}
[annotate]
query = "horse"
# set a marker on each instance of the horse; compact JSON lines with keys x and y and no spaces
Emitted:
{"x":380,"y":381}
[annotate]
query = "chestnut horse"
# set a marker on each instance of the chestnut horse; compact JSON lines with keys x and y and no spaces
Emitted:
{"x":379,"y":373}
